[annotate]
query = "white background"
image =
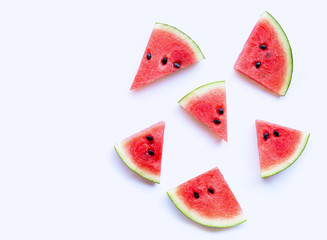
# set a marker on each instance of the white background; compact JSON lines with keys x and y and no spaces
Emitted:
{"x":65,"y":72}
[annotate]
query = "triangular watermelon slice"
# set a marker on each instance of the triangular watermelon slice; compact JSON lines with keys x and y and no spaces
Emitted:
{"x":279,"y":146}
{"x":208,"y":104}
{"x":168,"y":50}
{"x":208,"y":200}
{"x":267,"y":56}
{"x":142,"y":152}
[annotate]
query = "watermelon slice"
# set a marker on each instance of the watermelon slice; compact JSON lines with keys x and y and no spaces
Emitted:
{"x":279,"y":146}
{"x":208,"y":200}
{"x":168,"y":50}
{"x":142,"y":152}
{"x":267,"y":56}
{"x":208,"y":104}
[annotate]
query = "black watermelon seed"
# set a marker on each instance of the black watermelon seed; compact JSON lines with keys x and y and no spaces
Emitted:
{"x":210,"y":190}
{"x":262,"y":46}
{"x":151,"y":152}
{"x":217,"y":121}
{"x":196,"y":195}
{"x":164,"y":61}
{"x":176,"y":65}
{"x":148,"y":56}
{"x":150,"y":138}
{"x":220,"y":111}
{"x":276,"y":133}
{"x":258,"y":64}
{"x":265,"y":136}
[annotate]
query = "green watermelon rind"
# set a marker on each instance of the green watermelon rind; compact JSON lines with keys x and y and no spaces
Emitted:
{"x":279,"y":168}
{"x":201,"y":90}
{"x":119,"y":147}
{"x":210,"y":222}
{"x":196,"y":49}
{"x":287,"y":47}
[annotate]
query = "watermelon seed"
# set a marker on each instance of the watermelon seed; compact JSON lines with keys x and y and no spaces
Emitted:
{"x":262,"y":46}
{"x":217,"y":121}
{"x":164,"y":61}
{"x":196,"y":195}
{"x":148,"y":56}
{"x":265,"y":136}
{"x":150,"y":152}
{"x":258,"y":64}
{"x":177,"y":65}
{"x":150,"y":138}
{"x":210,"y":190}
{"x":276,"y":133}
{"x":220,"y":111}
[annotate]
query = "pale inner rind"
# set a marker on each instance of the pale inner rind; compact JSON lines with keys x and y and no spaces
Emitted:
{"x":286,"y":46}
{"x":200,"y":91}
{"x":195,"y":216}
{"x":197,"y":51}
{"x":280,"y":167}
{"x":123,"y":154}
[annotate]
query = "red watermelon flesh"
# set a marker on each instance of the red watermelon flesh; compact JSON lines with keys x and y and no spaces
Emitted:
{"x":208,"y":200}
{"x":208,"y":104}
{"x":168,"y":50}
{"x":267,"y":56}
{"x":279,"y":146}
{"x":142,"y":152}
